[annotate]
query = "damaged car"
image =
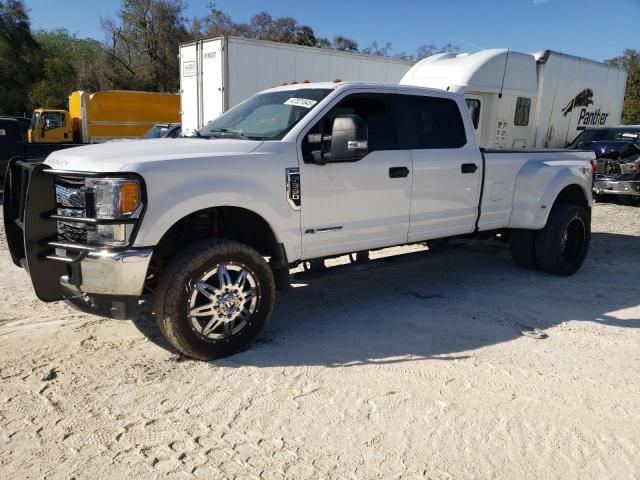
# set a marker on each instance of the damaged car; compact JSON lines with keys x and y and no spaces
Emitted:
{"x":617,"y":152}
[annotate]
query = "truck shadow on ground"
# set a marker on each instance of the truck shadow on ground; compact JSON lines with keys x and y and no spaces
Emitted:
{"x":439,"y":305}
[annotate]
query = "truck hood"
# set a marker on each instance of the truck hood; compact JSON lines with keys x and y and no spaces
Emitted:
{"x":130,"y":156}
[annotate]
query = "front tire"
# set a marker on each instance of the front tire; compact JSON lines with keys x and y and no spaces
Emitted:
{"x":562,"y":245}
{"x":214,"y":299}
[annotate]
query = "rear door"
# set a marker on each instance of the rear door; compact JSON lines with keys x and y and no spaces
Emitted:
{"x":212,"y":85}
{"x":189,"y":87}
{"x":447,"y":167}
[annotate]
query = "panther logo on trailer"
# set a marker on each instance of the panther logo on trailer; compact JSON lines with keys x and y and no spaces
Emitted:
{"x":583,"y":99}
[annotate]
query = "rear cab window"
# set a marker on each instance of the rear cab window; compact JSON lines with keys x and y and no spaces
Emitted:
{"x":433,"y":122}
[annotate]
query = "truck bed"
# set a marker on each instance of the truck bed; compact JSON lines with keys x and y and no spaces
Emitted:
{"x":516,"y":179}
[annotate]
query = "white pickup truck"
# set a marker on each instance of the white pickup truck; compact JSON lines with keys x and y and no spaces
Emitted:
{"x":211,"y":225}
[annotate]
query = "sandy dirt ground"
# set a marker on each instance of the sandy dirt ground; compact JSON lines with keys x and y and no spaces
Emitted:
{"x":414,"y":367}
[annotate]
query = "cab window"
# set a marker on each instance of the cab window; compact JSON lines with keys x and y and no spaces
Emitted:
{"x":34,"y":120}
{"x":53,"y":120}
{"x":376,"y":111}
{"x":434,"y":122}
{"x":523,"y":109}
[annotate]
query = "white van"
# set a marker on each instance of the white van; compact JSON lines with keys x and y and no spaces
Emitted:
{"x":523,"y":100}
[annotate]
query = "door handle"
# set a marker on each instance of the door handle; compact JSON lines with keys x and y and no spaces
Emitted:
{"x":398,"y":172}
{"x":469,"y":168}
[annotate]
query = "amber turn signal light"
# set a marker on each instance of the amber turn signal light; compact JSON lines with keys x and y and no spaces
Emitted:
{"x":129,"y":197}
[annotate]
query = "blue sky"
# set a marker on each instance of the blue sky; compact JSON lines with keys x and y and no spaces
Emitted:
{"x":596,"y":29}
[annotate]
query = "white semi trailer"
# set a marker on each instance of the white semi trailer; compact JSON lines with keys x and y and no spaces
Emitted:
{"x":218,"y":73}
{"x":527,"y":100}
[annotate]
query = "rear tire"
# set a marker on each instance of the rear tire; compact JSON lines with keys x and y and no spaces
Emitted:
{"x":562,"y":245}
{"x":214,"y":299}
{"x":522,"y":244}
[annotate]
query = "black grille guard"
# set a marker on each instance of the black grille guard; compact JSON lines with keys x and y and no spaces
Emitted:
{"x":30,"y":222}
{"x":28,"y":197}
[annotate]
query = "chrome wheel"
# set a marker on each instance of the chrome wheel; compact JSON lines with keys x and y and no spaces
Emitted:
{"x":223,"y":300}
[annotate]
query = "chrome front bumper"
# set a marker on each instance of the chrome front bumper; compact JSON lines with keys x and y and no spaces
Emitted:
{"x":617,"y":187}
{"x":110,"y":273}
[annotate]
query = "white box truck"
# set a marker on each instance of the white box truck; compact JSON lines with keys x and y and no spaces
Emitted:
{"x":527,"y":100}
{"x":218,"y":73}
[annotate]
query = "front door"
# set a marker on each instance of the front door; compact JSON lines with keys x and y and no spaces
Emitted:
{"x":352,"y":206}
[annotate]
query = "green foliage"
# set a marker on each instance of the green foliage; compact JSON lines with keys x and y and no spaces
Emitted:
{"x":630,"y":61}
{"x":68,"y":64}
{"x":19,"y":57}
{"x":54,"y":87}
{"x":139,"y":52}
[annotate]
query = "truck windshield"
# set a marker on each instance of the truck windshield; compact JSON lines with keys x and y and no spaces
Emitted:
{"x":34,"y":120}
{"x":266,"y":116}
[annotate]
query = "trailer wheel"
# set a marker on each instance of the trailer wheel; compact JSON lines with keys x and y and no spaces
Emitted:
{"x":562,"y":245}
{"x":214,"y":298}
{"x":522,"y":244}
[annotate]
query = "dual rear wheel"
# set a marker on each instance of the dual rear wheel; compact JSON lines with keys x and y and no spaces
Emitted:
{"x":560,"y":247}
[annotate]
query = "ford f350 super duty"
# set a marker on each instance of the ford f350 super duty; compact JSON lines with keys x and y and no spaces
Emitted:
{"x":212,"y":224}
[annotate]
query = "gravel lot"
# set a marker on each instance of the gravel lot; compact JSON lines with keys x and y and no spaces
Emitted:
{"x":414,"y":367}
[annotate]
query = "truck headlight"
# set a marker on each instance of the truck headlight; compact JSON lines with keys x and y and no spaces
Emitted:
{"x":114,"y":198}
{"x":116,"y":204}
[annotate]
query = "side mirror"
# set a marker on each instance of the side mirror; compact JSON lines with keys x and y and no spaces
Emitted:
{"x":349,"y":139}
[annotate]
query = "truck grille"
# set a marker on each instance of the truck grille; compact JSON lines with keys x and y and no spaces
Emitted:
{"x":71,"y":201}
{"x":72,"y":233}
{"x":607,"y":166}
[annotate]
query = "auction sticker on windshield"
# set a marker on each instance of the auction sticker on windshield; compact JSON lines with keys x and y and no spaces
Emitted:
{"x":301,"y":102}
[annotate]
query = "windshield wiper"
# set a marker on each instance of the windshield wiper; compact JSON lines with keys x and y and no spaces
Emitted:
{"x":228,"y":131}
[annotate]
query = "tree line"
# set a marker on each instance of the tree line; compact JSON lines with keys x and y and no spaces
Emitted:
{"x":140,"y":52}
